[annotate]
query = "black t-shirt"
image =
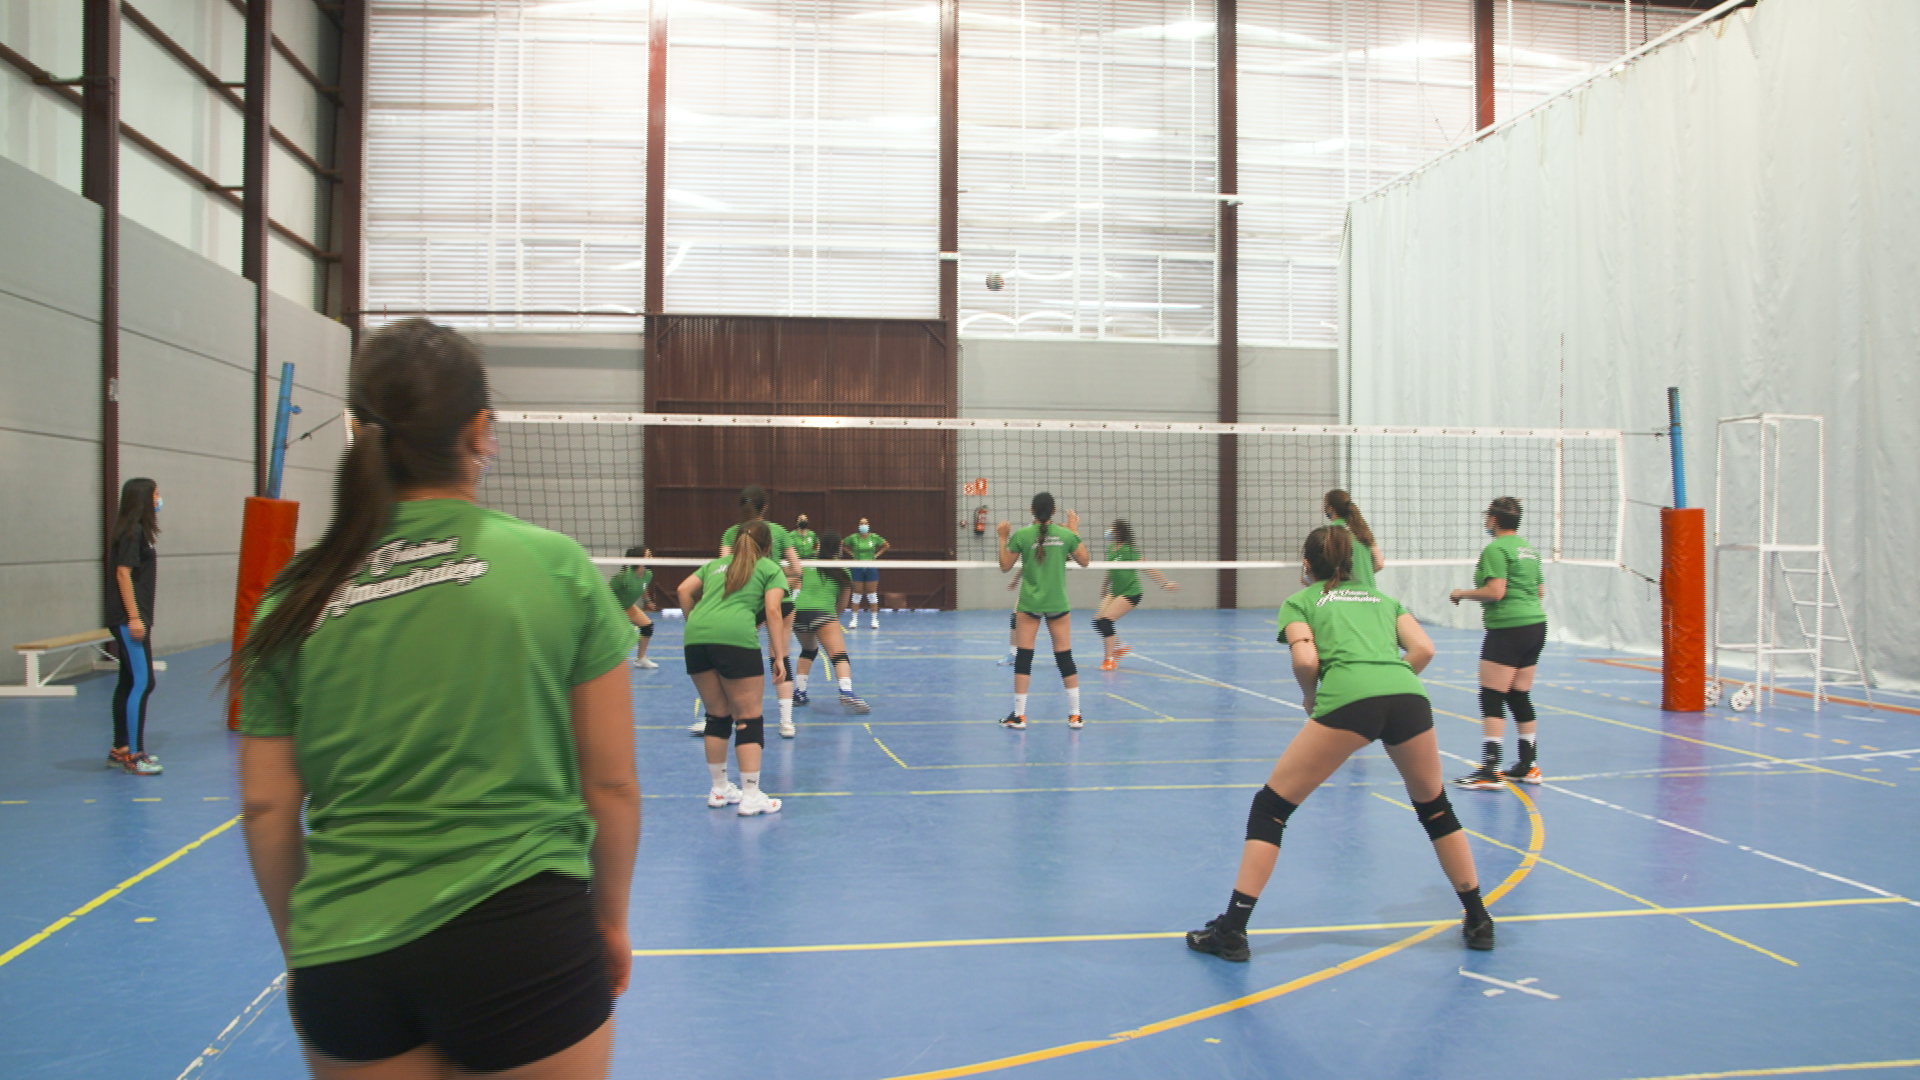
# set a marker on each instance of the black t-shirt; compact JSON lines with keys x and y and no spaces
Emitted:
{"x":137,"y":555}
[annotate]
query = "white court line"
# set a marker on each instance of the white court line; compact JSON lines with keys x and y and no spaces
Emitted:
{"x":1681,"y":770}
{"x":1217,"y":682}
{"x":227,"y":1034}
{"x":1504,"y":984}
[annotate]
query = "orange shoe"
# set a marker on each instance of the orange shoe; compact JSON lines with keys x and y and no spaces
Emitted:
{"x":1075,"y":722}
{"x":1109,"y":664}
{"x":1121,"y":648}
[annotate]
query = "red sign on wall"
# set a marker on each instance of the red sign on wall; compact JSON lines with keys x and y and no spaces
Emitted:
{"x":977,"y":489}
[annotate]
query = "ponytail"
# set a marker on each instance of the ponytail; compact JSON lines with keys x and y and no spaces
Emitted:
{"x":1342,"y":506}
{"x":1043,"y":513}
{"x":753,"y":502}
{"x":830,"y":541}
{"x":415,"y":386}
{"x":749,"y":545}
{"x":1329,"y":555}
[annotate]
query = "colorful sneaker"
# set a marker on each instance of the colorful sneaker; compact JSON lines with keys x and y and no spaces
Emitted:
{"x":1479,"y":935}
{"x":644,"y":663}
{"x":142,"y":764}
{"x":1009,"y":660}
{"x":787,"y":729}
{"x":722,"y":797}
{"x":853,"y":704}
{"x":118,"y":757}
{"x":1221,"y":942}
{"x":1014,"y":722}
{"x":1481,"y":779}
{"x":1120,"y":649}
{"x":800,"y":699}
{"x":1075,"y":722}
{"x":1109,"y":664}
{"x":1528,"y":773}
{"x":757,"y":802}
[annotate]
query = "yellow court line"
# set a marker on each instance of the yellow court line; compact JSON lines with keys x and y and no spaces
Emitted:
{"x":883,"y":747}
{"x":1349,"y":928}
{"x":1616,"y":890}
{"x":1137,"y":705}
{"x":1793,"y":1070}
{"x":1519,"y":874}
{"x":1689,"y":739}
{"x":62,"y":923}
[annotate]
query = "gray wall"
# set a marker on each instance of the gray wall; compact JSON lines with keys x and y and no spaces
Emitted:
{"x":185,"y":410}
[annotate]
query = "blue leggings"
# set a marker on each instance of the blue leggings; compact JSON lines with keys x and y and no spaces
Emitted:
{"x":130,"y":694}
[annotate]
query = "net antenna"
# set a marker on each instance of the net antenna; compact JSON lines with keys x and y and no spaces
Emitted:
{"x":1423,"y":490}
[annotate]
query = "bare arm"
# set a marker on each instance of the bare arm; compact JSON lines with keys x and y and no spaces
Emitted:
{"x":603,"y":739}
{"x":271,"y":793}
{"x":1415,"y":642}
{"x":1080,"y":554}
{"x":1494,"y":590}
{"x":1007,"y":558}
{"x":884,"y":545}
{"x":1379,"y":560}
{"x":123,"y":577}
{"x":689,"y":591}
{"x":1306,"y":662}
{"x":1161,"y":579}
{"x":779,"y":639}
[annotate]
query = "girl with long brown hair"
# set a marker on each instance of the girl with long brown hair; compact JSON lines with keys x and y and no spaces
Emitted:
{"x":722,"y":600}
{"x":136,"y":574}
{"x":1338,"y":507}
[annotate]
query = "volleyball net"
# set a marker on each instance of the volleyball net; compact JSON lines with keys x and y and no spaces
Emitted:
{"x":935,"y":488}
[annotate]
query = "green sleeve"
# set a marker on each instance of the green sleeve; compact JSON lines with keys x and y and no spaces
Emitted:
{"x":1291,"y":612}
{"x":266,"y":704}
{"x":726,"y":538}
{"x":879,"y":541}
{"x":1017,"y":543}
{"x":1493,"y":564}
{"x":605,"y":634}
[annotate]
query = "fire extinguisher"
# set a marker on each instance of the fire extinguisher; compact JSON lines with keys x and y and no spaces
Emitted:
{"x":980,"y":521}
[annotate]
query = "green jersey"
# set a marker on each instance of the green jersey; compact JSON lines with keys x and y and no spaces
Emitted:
{"x":721,"y":619}
{"x":782,"y":540}
{"x":1512,"y":558}
{"x":1356,"y":633}
{"x":630,"y":588}
{"x":818,"y":592}
{"x":864,"y":546}
{"x":1362,"y":557}
{"x":806,"y":542}
{"x":1043,"y":574}
{"x":1123,"y":582}
{"x":430,"y":712}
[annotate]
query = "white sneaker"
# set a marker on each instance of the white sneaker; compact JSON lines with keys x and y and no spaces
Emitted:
{"x":645,"y":663}
{"x":757,"y":802}
{"x":726,"y":796}
{"x":786,"y":729}
{"x":875,"y":624}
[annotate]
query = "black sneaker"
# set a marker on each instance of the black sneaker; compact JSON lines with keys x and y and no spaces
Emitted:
{"x":1483,"y":778}
{"x":1232,"y":944}
{"x":1479,"y":935}
{"x":1015,"y":722}
{"x":1523,"y":772}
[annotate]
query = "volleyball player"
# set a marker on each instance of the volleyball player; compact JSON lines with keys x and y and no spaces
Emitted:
{"x":753,"y":503}
{"x":630,"y":591}
{"x":437,"y":765}
{"x":723,"y":600}
{"x":1042,"y":549}
{"x":1121,"y":592}
{"x":1338,"y":506}
{"x":1510,"y":586}
{"x":865,"y":545}
{"x":1347,"y":644}
{"x":815,"y":621}
{"x":806,"y":542}
{"x":136,"y":574}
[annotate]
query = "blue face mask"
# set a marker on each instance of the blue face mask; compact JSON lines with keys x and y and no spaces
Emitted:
{"x":863,"y":529}
{"x":1112,"y":537}
{"x":158,"y":502}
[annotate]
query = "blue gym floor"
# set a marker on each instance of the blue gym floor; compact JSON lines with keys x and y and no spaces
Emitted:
{"x":1703,"y":895}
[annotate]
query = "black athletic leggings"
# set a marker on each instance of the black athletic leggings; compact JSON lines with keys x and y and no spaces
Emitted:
{"x":130,"y":694}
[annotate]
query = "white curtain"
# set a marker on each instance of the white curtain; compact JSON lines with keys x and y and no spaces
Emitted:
{"x":1736,"y":215}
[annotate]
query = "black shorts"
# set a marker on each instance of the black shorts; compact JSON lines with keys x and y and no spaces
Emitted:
{"x":1392,"y":719}
{"x":807,"y":620}
{"x":731,"y":661}
{"x":1515,"y":646}
{"x":1135,"y":599}
{"x":516,"y":978}
{"x":1048,"y":616}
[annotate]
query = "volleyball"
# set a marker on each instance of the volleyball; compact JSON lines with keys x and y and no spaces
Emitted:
{"x":995,"y":282}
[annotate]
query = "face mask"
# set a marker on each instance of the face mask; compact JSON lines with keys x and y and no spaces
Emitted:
{"x":1490,"y":531}
{"x":1112,"y":537}
{"x":158,"y":502}
{"x":863,"y":530}
{"x":1306,"y":576}
{"x":486,"y":462}
{"x":802,"y":523}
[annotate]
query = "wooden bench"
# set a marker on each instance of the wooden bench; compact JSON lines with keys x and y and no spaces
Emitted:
{"x":38,"y":685}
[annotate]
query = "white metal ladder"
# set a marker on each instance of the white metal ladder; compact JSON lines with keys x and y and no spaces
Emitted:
{"x":1817,"y":638}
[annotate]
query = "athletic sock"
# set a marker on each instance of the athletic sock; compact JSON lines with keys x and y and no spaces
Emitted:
{"x":1470,"y":902}
{"x":719,"y":774}
{"x":800,"y":683}
{"x":1019,"y":704}
{"x":1239,"y":908}
{"x":1490,"y":753}
{"x":1073,"y":701}
{"x":786,"y":710}
{"x":846,"y":684}
{"x":1527,"y":750}
{"x":750,"y":782}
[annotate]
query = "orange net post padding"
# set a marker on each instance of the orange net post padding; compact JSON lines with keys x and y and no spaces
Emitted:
{"x":266,"y":547}
{"x":1683,"y":609}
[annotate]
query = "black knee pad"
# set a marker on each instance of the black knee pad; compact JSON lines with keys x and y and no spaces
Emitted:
{"x":1064,"y":661}
{"x":782,"y":671}
{"x":719,"y":727}
{"x":808,"y":654}
{"x":750,"y":732}
{"x":1437,"y":817}
{"x":1521,"y":702}
{"x":1103,"y":627}
{"x":1013,"y":621}
{"x":1492,"y":703}
{"x":1023,"y":661}
{"x":1267,"y":821}
{"x":839,"y":658}
{"x":647,"y":630}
